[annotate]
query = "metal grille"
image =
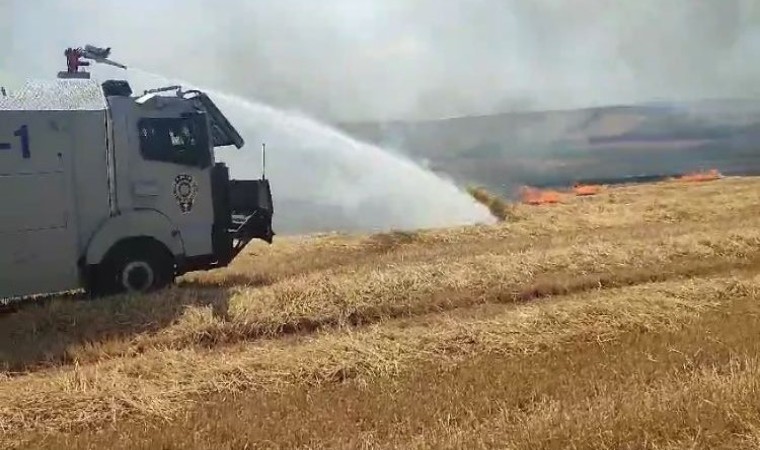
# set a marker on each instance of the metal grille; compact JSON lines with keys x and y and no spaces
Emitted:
{"x":55,"y":95}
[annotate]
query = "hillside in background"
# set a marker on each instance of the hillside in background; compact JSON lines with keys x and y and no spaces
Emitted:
{"x":561,"y":147}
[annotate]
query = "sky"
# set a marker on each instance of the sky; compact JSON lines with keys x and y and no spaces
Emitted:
{"x":346,"y":60}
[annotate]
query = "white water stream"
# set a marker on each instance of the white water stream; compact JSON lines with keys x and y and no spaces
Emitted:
{"x":325,"y":180}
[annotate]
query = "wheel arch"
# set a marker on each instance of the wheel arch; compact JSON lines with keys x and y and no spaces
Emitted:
{"x":133,"y":241}
{"x":110,"y":275}
{"x":140,"y":224}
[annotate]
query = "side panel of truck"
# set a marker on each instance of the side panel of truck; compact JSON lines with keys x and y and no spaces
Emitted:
{"x":181,"y":192}
{"x":38,"y":228}
{"x":90,"y":174}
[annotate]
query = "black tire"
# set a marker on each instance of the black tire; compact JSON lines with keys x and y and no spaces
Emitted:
{"x":136,"y":266}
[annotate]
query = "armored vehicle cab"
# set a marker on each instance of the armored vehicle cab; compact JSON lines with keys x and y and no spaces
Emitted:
{"x":104,"y":190}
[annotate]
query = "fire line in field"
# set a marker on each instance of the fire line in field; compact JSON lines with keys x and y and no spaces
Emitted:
{"x":534,"y":196}
{"x":585,"y":190}
{"x":697,"y":177}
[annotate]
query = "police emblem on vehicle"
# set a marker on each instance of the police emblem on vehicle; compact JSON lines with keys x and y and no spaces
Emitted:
{"x":185,"y":191}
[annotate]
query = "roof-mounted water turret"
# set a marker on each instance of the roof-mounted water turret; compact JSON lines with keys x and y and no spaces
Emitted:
{"x":75,"y":56}
{"x":223,"y":133}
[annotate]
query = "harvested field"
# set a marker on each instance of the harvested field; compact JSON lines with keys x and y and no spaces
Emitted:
{"x":626,"y":319}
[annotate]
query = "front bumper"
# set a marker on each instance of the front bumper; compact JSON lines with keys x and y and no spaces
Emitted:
{"x":243,"y":211}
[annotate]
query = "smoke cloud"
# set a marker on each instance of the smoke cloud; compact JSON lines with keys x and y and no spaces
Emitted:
{"x":404,"y":59}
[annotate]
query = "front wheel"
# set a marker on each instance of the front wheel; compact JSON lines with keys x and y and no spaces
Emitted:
{"x":134,"y":267}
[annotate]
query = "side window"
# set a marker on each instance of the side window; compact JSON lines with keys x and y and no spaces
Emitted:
{"x":178,"y":140}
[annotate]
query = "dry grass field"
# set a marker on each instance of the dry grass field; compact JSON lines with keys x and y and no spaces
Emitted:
{"x":628,"y":319}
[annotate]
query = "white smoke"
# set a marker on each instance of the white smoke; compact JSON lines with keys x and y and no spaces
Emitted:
{"x":390,"y":59}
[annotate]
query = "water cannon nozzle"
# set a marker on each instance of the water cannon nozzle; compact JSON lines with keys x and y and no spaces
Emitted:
{"x":75,"y":59}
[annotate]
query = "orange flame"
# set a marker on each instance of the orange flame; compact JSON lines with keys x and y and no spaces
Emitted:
{"x":696,"y":177}
{"x":586,"y":190}
{"x":533,"y":196}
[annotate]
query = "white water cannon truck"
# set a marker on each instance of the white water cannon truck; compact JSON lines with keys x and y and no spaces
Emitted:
{"x":112,"y":192}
